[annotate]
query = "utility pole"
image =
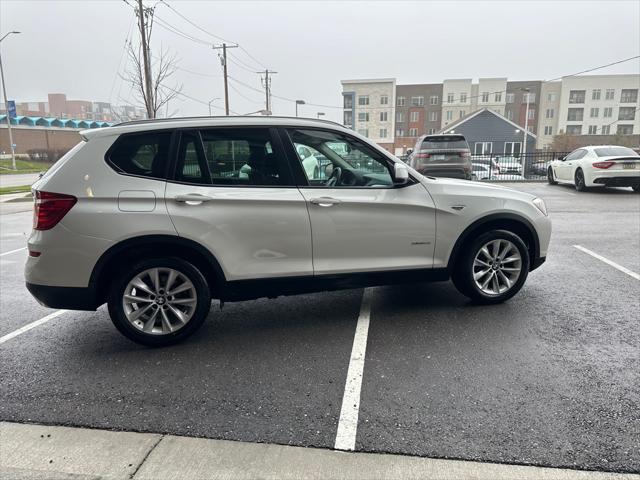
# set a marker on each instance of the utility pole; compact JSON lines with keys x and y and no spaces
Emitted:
{"x":526,"y":126}
{"x":6,"y":105}
{"x":144,"y":37}
{"x":223,"y":59}
{"x":267,"y":89}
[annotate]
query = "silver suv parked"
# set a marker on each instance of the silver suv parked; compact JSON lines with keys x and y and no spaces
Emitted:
{"x":156,"y":218}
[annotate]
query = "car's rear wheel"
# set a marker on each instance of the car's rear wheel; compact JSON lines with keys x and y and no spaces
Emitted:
{"x":579,"y":181}
{"x":551,"y":179}
{"x":159,"y":302}
{"x":493,"y":267}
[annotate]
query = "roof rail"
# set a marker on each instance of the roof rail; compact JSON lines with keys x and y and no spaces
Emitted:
{"x":162,"y":120}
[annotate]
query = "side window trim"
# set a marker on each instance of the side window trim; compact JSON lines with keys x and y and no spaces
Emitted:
{"x":276,"y":144}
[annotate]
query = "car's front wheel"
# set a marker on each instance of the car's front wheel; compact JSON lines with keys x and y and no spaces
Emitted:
{"x":492,"y":268}
{"x":550,"y":177}
{"x":159,"y":302}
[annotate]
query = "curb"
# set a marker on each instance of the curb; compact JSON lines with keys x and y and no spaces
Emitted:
{"x":38,"y":452}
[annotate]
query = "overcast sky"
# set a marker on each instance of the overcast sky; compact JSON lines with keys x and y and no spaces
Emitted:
{"x":76,"y":47}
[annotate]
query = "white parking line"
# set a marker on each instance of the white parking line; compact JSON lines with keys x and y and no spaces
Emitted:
{"x":12,"y":251}
{"x":631,"y":273}
{"x":31,"y":325}
{"x":348,"y":423}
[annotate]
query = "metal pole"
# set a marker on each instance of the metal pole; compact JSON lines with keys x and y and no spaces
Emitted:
{"x":146,"y":63}
{"x":296,"y":109}
{"x":526,"y":127}
{"x":6,"y":106}
{"x":226,"y":85}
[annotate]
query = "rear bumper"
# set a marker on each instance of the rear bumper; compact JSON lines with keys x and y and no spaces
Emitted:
{"x":68,"y":298}
{"x":617,"y":181}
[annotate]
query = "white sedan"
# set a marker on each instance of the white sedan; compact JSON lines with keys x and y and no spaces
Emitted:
{"x":597,"y":166}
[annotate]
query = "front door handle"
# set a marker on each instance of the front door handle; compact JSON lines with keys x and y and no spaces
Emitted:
{"x":192,"y":198}
{"x":325,"y":201}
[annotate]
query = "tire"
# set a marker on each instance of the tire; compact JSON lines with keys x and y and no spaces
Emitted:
{"x":551,"y":179}
{"x":636,"y":188}
{"x":165,"y":327}
{"x":464,"y":269}
{"x":578,"y":179}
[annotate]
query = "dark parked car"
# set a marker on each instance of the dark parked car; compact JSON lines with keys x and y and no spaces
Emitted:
{"x":442,"y":156}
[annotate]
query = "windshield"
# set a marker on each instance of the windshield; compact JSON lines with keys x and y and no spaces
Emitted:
{"x":615,"y":152}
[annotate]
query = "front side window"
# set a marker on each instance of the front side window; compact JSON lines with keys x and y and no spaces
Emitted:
{"x":230,"y":157}
{"x":341,"y":161}
{"x":143,"y":154}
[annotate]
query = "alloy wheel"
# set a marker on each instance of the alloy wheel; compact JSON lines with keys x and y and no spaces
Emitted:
{"x":159,"y":301}
{"x":497,"y":267}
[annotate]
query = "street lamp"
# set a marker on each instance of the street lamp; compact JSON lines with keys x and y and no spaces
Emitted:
{"x":526,"y":123}
{"x":299,"y":102}
{"x":6,"y":106}
{"x":210,"y":102}
{"x":320,"y":114}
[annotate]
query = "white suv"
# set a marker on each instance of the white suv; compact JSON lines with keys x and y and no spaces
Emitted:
{"x":158,"y":217}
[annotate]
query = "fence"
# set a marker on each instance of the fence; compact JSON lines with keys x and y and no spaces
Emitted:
{"x":508,"y":167}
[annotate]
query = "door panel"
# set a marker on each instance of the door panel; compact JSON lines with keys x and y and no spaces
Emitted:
{"x":253,"y":232}
{"x":368,"y":229}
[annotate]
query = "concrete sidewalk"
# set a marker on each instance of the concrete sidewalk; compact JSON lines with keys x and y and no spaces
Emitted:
{"x":41,"y":452}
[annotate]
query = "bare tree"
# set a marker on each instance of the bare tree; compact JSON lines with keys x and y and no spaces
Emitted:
{"x":162,"y":69}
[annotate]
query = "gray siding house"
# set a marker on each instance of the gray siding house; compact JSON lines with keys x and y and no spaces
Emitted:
{"x":488,"y":132}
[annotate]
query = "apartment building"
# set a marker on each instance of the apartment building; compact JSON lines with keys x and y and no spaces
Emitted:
{"x":418,"y":111}
{"x":604,"y":105}
{"x":369,"y":108}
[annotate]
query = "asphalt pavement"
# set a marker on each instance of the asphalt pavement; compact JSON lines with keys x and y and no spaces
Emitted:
{"x":17,"y":179}
{"x":550,"y":378}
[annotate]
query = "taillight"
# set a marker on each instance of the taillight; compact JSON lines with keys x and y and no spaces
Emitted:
{"x":49,"y":208}
{"x":422,"y":155}
{"x":603,"y":164}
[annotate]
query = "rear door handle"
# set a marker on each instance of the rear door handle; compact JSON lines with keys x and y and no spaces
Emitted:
{"x":325,"y":201}
{"x":192,"y":198}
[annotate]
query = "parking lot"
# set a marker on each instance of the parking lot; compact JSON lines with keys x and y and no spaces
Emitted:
{"x":551,"y":378}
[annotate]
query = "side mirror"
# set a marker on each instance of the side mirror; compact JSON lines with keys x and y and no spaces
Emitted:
{"x":562,"y":159}
{"x":410,"y":151}
{"x":400,"y":174}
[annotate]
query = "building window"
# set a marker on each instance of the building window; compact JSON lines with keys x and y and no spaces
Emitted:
{"x":576,"y":96}
{"x":399,"y":116}
{"x":400,"y":102}
{"x":509,"y":114}
{"x":384,"y":100}
{"x":594,"y":112}
{"x":512,"y":148}
{"x":462,"y":114}
{"x":575,"y":114}
{"x":417,"y":101}
{"x":510,"y":97}
{"x":433,"y":99}
{"x":415,"y":116}
{"x":450,"y":98}
{"x":595,"y":94}
{"x":432,"y":131}
{"x":609,"y":94}
{"x":549,"y":113}
{"x":383,"y":133}
{"x":449,"y":114}
{"x":532,"y":113}
{"x":498,"y":97}
{"x":627,"y":113}
{"x":629,"y":95}
{"x":399,"y":132}
{"x":384,"y":116}
{"x":551,"y":96}
{"x":433,"y":116}
{"x":606,"y":130}
{"x":348,"y":118}
{"x":548,"y":130}
{"x":608,"y":112}
{"x":485,"y":97}
{"x":625,"y":130}
{"x":483,"y":148}
{"x":463,"y":98}
{"x":593,"y":129}
{"x":363,"y":100}
{"x":348,"y":101}
{"x":574,"y":129}
{"x":413,"y":132}
{"x":364,"y":132}
{"x":363,"y":117}
{"x":529,"y":97}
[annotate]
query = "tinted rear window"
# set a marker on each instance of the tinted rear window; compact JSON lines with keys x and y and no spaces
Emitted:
{"x":615,"y":152}
{"x":144,"y":154}
{"x":444,"y":142}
